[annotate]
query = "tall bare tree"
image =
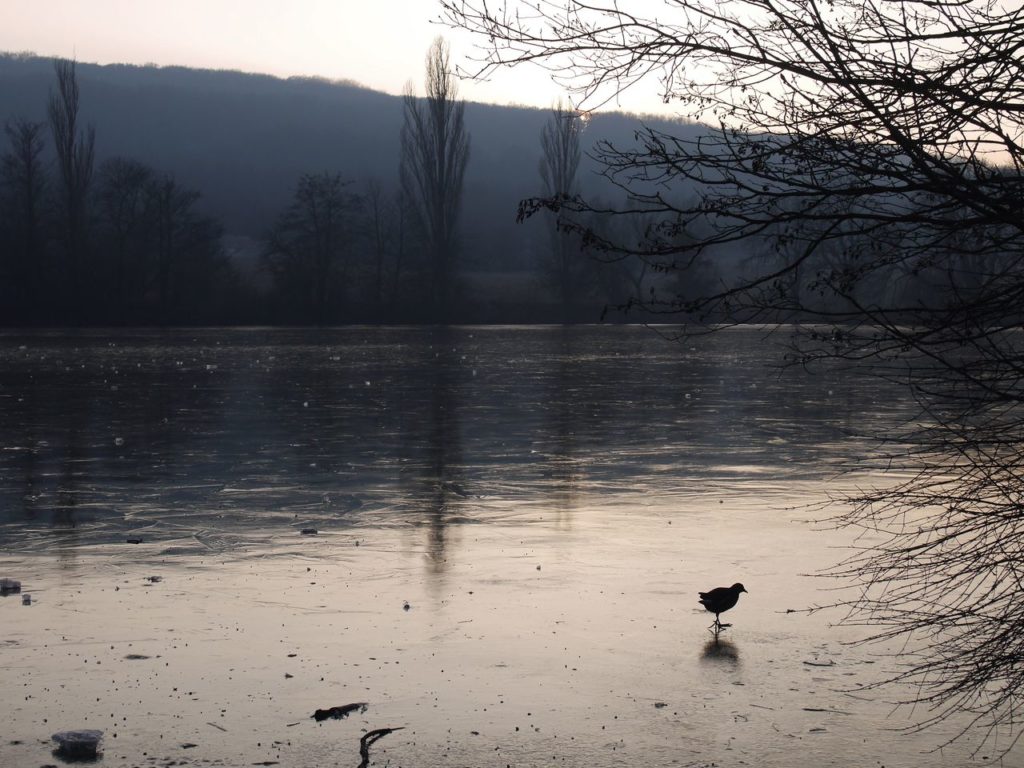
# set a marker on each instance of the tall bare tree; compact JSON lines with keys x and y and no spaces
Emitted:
{"x":23,"y":180}
{"x":875,"y":149}
{"x":559,"y":163}
{"x":74,"y":149}
{"x":435,"y":151}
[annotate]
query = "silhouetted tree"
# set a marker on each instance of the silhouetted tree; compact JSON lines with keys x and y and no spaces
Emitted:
{"x":559,"y":163}
{"x":308,"y":249}
{"x":435,"y":151}
{"x":127,"y":224}
{"x":377,"y":228}
{"x":612,"y":278}
{"x":186,"y":256}
{"x":876,"y":150}
{"x":385,"y":241}
{"x":22,"y":208}
{"x":74,"y":149}
{"x":400,"y":240}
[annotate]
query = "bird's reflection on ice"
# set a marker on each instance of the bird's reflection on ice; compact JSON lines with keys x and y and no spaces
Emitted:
{"x":719,"y":650}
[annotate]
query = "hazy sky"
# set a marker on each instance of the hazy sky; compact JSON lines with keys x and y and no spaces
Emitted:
{"x":379,"y":43}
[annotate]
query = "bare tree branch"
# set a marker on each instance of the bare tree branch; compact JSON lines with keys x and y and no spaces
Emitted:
{"x":857,"y":167}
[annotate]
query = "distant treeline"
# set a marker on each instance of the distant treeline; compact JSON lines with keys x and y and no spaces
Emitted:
{"x":118,"y":241}
{"x":121,"y":243}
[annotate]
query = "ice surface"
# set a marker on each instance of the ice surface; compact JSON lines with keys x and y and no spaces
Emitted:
{"x":450,"y":482}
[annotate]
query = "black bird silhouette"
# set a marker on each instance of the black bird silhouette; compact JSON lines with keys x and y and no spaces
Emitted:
{"x":720,"y":600}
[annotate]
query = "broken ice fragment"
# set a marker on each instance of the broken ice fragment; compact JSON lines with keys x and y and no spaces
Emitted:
{"x":78,"y":745}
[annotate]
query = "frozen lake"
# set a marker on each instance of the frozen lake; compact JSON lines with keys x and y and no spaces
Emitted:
{"x":546,"y":501}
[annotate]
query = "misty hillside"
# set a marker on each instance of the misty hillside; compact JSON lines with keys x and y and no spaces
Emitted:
{"x":243,"y":140}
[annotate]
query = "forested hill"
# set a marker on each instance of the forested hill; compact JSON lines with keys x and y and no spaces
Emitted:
{"x":223,"y":153}
{"x":242,"y":140}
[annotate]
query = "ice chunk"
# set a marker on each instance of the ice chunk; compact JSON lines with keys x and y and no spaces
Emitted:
{"x":78,"y":745}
